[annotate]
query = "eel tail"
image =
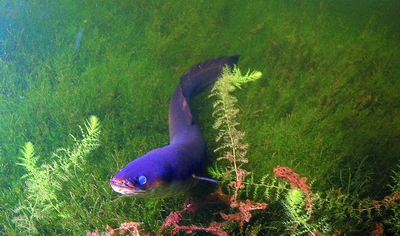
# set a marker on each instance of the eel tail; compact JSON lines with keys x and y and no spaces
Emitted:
{"x":197,"y":79}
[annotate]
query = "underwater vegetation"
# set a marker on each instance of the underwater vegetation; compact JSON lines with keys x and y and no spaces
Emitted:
{"x":231,"y":139}
{"x":321,"y":126}
{"x":50,"y":188}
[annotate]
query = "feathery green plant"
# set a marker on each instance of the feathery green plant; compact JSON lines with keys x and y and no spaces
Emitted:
{"x":45,"y":183}
{"x":299,"y":219}
{"x":231,"y":142}
{"x":391,"y":201}
{"x":267,"y":188}
{"x":225,"y":113}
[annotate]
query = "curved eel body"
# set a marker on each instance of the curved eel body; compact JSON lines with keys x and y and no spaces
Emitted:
{"x":173,"y":169}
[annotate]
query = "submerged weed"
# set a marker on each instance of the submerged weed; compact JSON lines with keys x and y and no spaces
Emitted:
{"x":225,"y":113}
{"x":44,"y":201}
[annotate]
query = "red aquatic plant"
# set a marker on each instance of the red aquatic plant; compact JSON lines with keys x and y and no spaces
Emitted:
{"x":378,"y":230}
{"x":174,"y":218}
{"x":218,"y":197}
{"x":126,"y":228}
{"x":284,"y":172}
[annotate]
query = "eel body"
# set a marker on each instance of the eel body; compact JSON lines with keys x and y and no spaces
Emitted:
{"x":173,"y":169}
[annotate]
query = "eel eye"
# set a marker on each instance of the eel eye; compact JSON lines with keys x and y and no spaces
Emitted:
{"x":142,"y":180}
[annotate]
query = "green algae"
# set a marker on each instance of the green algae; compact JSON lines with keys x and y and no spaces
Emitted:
{"x":327,"y":105}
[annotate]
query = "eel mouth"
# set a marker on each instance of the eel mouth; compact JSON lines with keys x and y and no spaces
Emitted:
{"x":125,"y":187}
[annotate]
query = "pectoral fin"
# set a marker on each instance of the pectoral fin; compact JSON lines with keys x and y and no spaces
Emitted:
{"x":206,"y":179}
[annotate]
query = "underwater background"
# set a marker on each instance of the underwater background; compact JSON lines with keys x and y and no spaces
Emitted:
{"x":327,"y":106}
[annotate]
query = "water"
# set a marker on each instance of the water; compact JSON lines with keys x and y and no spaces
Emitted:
{"x":327,"y":106}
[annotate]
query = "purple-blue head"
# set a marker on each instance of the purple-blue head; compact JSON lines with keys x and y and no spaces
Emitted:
{"x":159,"y":173}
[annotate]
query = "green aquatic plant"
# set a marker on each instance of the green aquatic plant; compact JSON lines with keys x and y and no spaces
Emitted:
{"x":43,"y":203}
{"x":294,"y":204}
{"x":299,"y":220}
{"x":231,"y":143}
{"x":268,"y":188}
{"x":330,"y":101}
{"x":225,"y":113}
{"x":393,"y":202}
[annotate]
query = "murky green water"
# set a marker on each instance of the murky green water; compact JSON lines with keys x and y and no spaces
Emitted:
{"x":327,"y":105}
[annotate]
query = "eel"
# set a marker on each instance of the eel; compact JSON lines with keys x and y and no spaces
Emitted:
{"x":176,"y":167}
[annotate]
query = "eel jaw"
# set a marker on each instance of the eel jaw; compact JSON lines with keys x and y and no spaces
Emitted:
{"x":125,"y":187}
{"x":158,"y":189}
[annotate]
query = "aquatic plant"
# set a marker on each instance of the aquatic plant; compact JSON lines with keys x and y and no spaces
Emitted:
{"x":328,"y":109}
{"x":225,"y":113}
{"x":43,"y":203}
{"x":231,"y":140}
{"x":392,"y":203}
{"x":298,"y":205}
{"x":333,"y":212}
